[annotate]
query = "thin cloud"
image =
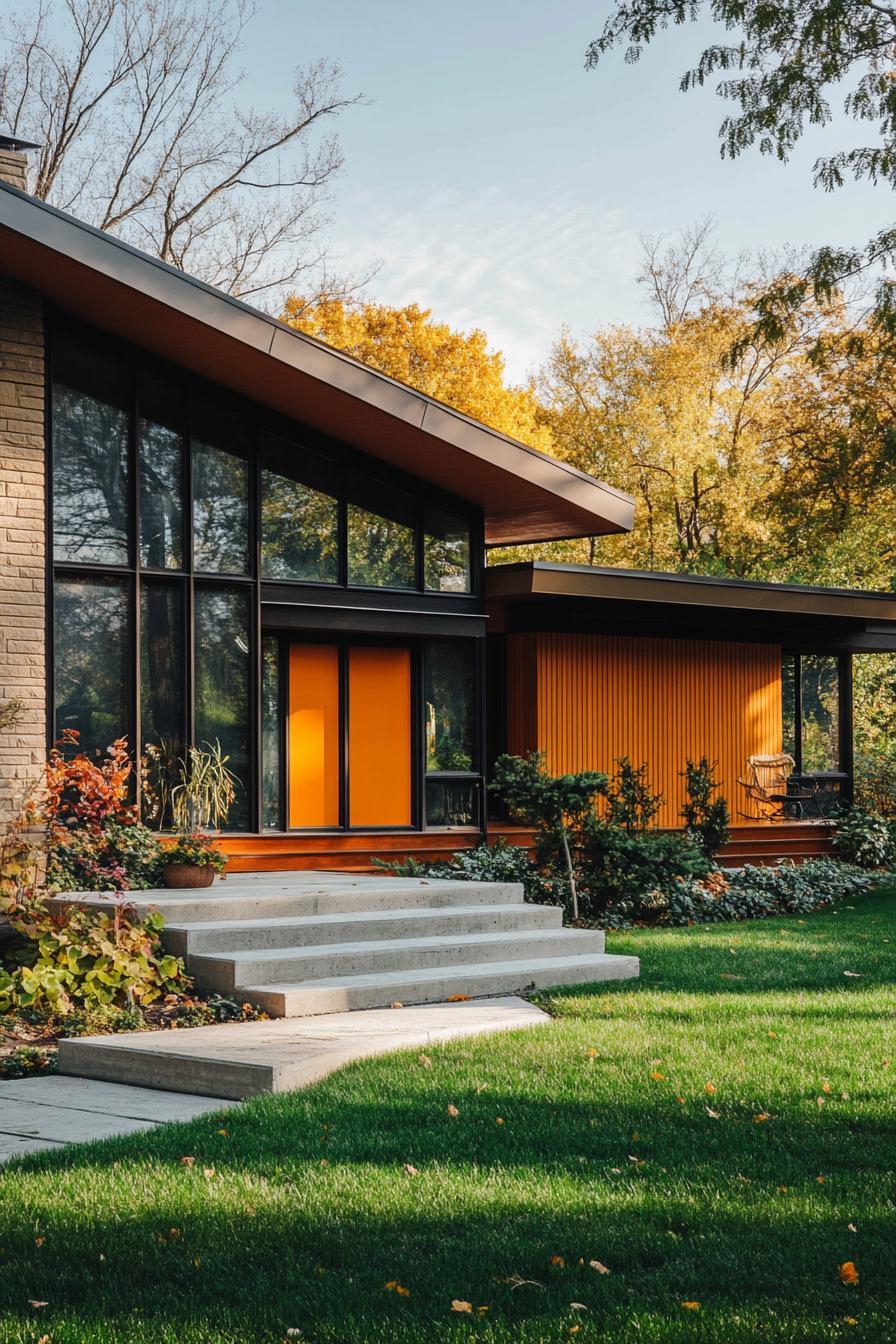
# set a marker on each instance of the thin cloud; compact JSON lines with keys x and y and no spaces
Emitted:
{"x":494,"y":261}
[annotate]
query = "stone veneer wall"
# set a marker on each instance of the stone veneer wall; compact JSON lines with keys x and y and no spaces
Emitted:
{"x":22,"y":526}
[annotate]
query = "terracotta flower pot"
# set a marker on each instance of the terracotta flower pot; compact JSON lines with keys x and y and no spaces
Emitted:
{"x":188,"y":875}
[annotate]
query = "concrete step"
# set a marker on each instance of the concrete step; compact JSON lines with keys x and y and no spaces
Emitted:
{"x":436,"y":984}
{"x":308,"y":930}
{"x":243,"y":898}
{"x":228,"y":972}
{"x":242,"y":1059}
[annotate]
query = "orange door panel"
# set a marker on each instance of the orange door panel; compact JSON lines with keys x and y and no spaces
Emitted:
{"x":313,"y":735}
{"x":379,"y":737}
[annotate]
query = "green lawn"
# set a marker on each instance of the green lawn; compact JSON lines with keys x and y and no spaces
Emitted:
{"x":722,"y":1133}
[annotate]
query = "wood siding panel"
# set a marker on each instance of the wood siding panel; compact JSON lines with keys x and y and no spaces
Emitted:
{"x":522,"y":702}
{"x":600,"y":697}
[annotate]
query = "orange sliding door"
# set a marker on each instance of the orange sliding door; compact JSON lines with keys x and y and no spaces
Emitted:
{"x":313,"y":735}
{"x":379,"y":737}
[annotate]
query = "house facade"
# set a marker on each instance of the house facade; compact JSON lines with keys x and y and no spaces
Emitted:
{"x":216,"y":529}
{"x":219,"y":530}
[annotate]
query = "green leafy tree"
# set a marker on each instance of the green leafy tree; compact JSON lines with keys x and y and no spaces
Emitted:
{"x":705,"y":816}
{"x":557,"y":805}
{"x":779,"y":70}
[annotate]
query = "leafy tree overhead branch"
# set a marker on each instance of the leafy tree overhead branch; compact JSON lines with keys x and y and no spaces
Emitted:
{"x":780,"y":71}
{"x":136,"y":107}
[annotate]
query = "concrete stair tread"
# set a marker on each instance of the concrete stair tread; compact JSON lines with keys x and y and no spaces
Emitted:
{"x":484,"y":970}
{"x":398,"y":946}
{"x":384,"y":917}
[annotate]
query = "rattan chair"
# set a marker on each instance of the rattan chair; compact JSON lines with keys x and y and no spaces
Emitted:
{"x":766,"y":784}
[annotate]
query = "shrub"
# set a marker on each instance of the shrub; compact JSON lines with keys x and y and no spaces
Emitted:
{"x":94,"y":839}
{"x":864,"y":838}
{"x":198,"y":849}
{"x":758,"y":893}
{"x":874,"y":775}
{"x":500,"y":862}
{"x":625,"y":873}
{"x":558,"y":806}
{"x":69,"y":957}
{"x":27,"y":1061}
{"x":706,"y":818}
{"x":630,"y":803}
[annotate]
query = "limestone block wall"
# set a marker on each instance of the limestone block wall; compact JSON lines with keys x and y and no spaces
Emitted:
{"x":22,"y":535}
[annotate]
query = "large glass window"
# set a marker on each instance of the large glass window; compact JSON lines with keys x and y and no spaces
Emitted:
{"x":220,"y":511}
{"x":446,"y":553}
{"x":90,"y":457}
{"x":161,"y":693}
{"x":449,"y":697}
{"x":299,"y":531}
{"x":382,"y":537}
{"x":819,"y":695}
{"x":91,"y":659}
{"x":811,"y":711}
{"x":222,"y":685}
{"x":161,"y":475}
{"x":272,"y":710}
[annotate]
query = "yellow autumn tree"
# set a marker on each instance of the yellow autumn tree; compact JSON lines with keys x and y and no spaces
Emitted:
{"x":455,"y":367}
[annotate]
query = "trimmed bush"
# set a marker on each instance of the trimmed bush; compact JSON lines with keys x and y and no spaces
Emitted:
{"x":864,"y":838}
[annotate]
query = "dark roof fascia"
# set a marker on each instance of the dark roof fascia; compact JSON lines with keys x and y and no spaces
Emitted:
{"x":590,"y":506}
{"x":538,"y":580}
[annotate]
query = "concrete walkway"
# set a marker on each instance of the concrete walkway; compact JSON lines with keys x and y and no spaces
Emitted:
{"x":142,"y":1079}
{"x":37,"y":1114}
{"x":283,"y":1054}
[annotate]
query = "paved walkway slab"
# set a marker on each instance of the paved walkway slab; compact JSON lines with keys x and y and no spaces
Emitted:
{"x":44,"y":1113}
{"x":246,"y":1058}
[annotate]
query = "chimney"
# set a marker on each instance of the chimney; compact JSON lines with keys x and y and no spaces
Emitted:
{"x":14,"y":162}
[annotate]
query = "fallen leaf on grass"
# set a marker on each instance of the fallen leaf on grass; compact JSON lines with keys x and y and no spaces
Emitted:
{"x":819,"y":1101}
{"x":852,"y":1227}
{"x":691,"y":1306}
{"x":452,"y":1110}
{"x":825,"y":1087}
{"x":713,"y":1115}
{"x":596,"y":1264}
{"x":592,"y":1053}
{"x":761,"y":1117}
{"x":411,"y":1170}
{"x":39,"y":1241}
{"x":657,"y":1076}
{"x":774,"y":1035}
{"x":710,"y":1088}
{"x":32,"y":1302}
{"x":187,"y":1161}
{"x":578,"y":1306}
{"x":425,"y":1061}
{"x":853,"y":975}
{"x":499,"y":1119}
{"x":558,"y":1261}
{"x":459,"y":1305}
{"x":225,"y":1133}
{"x":847,"y":1273}
{"x":393,"y":1286}
{"x":209,"y":1172}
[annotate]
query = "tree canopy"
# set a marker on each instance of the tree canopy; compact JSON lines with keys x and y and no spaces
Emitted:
{"x":780,"y":70}
{"x":456,"y":367}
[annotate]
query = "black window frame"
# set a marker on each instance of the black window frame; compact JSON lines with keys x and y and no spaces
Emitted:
{"x":268,"y":439}
{"x":845,"y":745}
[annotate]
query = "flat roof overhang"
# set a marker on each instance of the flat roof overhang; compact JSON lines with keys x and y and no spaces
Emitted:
{"x":527,"y":496}
{"x":547,"y":596}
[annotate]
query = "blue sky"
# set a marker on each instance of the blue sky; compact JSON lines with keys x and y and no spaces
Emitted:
{"x":503,"y":186}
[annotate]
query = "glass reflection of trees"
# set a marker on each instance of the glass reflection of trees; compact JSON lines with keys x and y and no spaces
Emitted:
{"x":299,"y":531}
{"x":91,"y":659}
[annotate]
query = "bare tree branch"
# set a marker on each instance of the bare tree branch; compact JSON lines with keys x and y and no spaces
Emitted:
{"x":136,"y":105}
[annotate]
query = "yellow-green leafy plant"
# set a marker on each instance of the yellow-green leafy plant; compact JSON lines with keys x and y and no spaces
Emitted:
{"x":205,"y":790}
{"x":68,"y":956}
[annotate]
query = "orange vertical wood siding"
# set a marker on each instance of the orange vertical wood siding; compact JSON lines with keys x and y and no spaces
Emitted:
{"x":379,"y":737}
{"x":596,"y":698}
{"x":313,"y":735}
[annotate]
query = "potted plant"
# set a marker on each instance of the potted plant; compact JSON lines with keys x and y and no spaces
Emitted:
{"x":192,"y":861}
{"x":200,"y":799}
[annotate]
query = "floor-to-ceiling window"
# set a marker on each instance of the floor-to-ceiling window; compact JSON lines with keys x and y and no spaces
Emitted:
{"x":817,"y":713}
{"x":174,"y":509}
